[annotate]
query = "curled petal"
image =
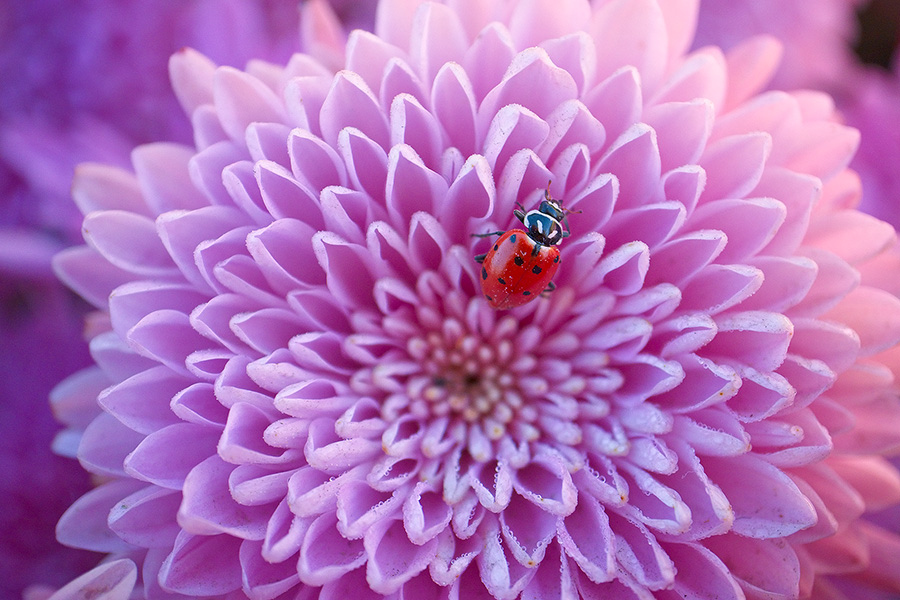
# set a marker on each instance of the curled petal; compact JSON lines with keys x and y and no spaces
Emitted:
{"x":113,"y":580}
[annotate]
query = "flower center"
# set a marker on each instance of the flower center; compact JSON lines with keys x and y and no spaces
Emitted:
{"x":471,"y":378}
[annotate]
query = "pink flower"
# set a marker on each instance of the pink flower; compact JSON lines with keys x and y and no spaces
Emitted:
{"x":82,"y":80}
{"x":817,"y":52}
{"x":871,"y":103}
{"x":817,"y":44}
{"x":301,"y":392}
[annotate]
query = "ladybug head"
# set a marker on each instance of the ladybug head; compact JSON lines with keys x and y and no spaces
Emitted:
{"x":542,"y":227}
{"x":552,"y":208}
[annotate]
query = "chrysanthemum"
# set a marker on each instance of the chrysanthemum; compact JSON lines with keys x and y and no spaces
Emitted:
{"x":300,"y":391}
{"x":82,"y":80}
{"x":817,"y":43}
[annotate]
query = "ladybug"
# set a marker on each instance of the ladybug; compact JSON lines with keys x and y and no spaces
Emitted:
{"x":521,"y":264}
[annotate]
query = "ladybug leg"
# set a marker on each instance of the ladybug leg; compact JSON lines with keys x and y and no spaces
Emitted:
{"x":550,"y":287}
{"x":519,"y":212}
{"x":488,"y":234}
{"x":480,"y":258}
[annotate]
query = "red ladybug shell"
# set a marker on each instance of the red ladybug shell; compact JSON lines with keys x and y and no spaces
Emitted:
{"x":511,"y":275}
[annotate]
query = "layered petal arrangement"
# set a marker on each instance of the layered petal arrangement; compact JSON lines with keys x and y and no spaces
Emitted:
{"x":301,"y":392}
{"x":82,"y":80}
{"x":817,"y":43}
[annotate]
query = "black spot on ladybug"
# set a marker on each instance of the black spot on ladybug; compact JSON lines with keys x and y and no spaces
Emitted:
{"x":512,"y":238}
{"x":496,"y":247}
{"x":502,"y":282}
{"x":488,"y":298}
{"x":526,"y":293}
{"x":518,"y":260}
{"x":556,"y":259}
{"x":536,"y":270}
{"x":483,"y":273}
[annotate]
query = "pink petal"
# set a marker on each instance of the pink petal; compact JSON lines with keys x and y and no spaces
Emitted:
{"x":834,"y":344}
{"x":147,"y":517}
{"x":425,"y":514}
{"x":326,"y":451}
{"x":286,"y":198}
{"x":682,"y":129}
{"x":634,"y":158}
{"x":263,"y":580}
{"x":392,"y":558}
{"x":89,"y":274}
{"x":488,"y":59}
{"x":639,"y":554}
{"x":535,"y":21}
{"x":652,"y":224}
{"x":453,"y":101}
{"x":208,"y":507}
{"x":576,"y":54}
{"x":181,"y":232}
{"x":852,"y":235}
{"x":437,"y":37}
{"x":326,"y":555}
{"x":411,"y":186}
{"x":105,"y":444}
{"x":554,"y":578}
{"x":775,"y":509}
{"x":873,"y":314}
{"x":206,"y":169}
{"x":202,"y":565}
{"x":131,"y":302}
{"x":631,"y":33}
{"x":755,"y":338}
{"x":167,"y":456}
{"x":710,"y":575}
{"x":129,"y":242}
{"x":101,"y":187}
{"x":284,"y":534}
{"x":701,"y":75}
{"x":735,"y":164}
{"x":191,"y":74}
{"x":113,"y":580}
{"x":503,"y":576}
{"x":242,"y":99}
{"x":764,"y":568}
{"x":353,"y":585}
{"x":873,"y":478}
{"x":142,"y":402}
{"x":820,"y":149}
{"x":530,"y":69}
{"x":163,"y":174}
{"x":617,"y":101}
{"x":350,"y":103}
{"x":527,"y":529}
{"x":84,"y":524}
{"x":239,"y":180}
{"x":585,"y":535}
{"x":713,"y":432}
{"x":285,"y":264}
{"x":368,"y":55}
{"x":265,"y":141}
{"x":549,"y":485}
{"x":751,"y":65}
{"x":680,"y":258}
{"x":314,"y":164}
{"x":167,"y":337}
{"x":359,"y":506}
